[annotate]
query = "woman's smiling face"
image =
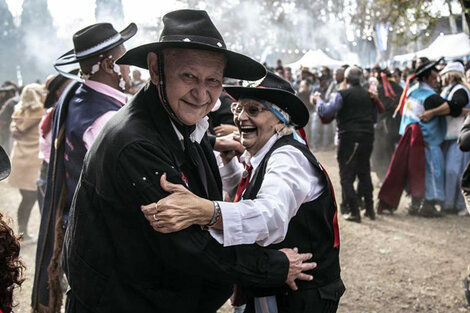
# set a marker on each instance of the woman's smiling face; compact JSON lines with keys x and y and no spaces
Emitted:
{"x":255,"y":123}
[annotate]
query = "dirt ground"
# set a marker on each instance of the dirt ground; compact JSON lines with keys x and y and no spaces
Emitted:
{"x":395,"y":264}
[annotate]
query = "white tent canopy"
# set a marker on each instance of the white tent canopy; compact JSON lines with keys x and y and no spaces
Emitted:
{"x":449,"y":46}
{"x":315,"y":58}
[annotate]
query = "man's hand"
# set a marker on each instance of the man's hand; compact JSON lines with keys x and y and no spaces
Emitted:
{"x":179,"y":210}
{"x":229,"y":146}
{"x":426,"y":116}
{"x":225,"y":129}
{"x":297,"y":266}
{"x":316,"y":96}
{"x":230,"y":142}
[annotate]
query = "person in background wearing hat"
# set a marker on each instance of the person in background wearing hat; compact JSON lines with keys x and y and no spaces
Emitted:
{"x":418,"y":161}
{"x":79,"y":116}
{"x":24,"y":156}
{"x":55,"y":88}
{"x":113,"y":259}
{"x":457,"y":91}
{"x":284,"y":198}
{"x":355,"y":111}
{"x":386,"y":130}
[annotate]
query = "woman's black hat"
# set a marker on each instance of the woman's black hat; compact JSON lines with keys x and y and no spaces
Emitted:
{"x":94,"y":40}
{"x":277,"y":91}
{"x":193,"y":29}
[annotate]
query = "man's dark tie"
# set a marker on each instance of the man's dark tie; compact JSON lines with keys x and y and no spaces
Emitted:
{"x":195,"y":155}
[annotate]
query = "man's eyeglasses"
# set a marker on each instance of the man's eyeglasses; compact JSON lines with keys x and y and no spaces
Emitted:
{"x":251,"y":109}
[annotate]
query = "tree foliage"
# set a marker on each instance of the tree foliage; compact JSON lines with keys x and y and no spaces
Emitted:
{"x":407,"y":20}
{"x":8,"y":38}
{"x":38,"y":47}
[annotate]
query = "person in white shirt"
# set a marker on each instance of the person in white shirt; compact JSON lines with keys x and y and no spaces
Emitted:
{"x":284,"y":198}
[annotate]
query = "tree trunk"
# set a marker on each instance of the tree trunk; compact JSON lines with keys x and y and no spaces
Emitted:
{"x":466,"y":10}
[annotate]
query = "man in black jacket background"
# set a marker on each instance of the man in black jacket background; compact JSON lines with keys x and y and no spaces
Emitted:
{"x":355,"y":114}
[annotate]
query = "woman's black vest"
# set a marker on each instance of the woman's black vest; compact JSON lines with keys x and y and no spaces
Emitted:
{"x":313,"y":229}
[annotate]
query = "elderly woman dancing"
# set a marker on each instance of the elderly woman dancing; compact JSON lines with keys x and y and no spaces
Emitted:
{"x":282,"y":198}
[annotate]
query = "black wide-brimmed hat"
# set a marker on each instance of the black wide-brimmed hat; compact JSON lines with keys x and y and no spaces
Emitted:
{"x":426,"y":66}
{"x":5,"y":166}
{"x":93,"y":40}
{"x":193,"y":29}
{"x":7,"y":88}
{"x":55,"y":84}
{"x":277,"y":91}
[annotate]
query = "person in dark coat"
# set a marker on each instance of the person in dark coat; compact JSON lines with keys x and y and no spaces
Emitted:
{"x":464,"y":145}
{"x":355,"y":111}
{"x":221,"y":117}
{"x":386,"y":129}
{"x":78,"y":117}
{"x":113,"y":260}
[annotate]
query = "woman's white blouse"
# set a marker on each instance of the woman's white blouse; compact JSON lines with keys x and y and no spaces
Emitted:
{"x":290,"y":180}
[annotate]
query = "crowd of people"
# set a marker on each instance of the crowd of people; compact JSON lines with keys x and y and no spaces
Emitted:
{"x":193,"y":185}
{"x":371,"y":130}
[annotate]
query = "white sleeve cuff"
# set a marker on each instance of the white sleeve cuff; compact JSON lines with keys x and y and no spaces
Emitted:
{"x":232,"y":221}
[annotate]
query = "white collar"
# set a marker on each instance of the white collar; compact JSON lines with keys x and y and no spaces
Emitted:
{"x":196,"y":136}
{"x":256,"y":159}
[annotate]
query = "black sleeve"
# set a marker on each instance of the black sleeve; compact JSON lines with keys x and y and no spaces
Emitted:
{"x":192,"y":250}
{"x":458,"y":101}
{"x":212,"y":139}
{"x":433,"y":102}
{"x":464,"y":137}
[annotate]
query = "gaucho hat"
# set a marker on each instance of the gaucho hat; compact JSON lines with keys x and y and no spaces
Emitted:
{"x":277,"y":91}
{"x":5,"y":166}
{"x":426,"y":66}
{"x":93,"y":40}
{"x":193,"y":29}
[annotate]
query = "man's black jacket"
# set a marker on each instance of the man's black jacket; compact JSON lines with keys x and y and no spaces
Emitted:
{"x":113,"y":259}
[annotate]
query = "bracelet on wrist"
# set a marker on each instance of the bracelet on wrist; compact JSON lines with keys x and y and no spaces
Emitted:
{"x":216,"y":215}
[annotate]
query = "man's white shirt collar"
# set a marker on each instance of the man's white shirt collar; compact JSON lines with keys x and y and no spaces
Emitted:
{"x":196,"y":136}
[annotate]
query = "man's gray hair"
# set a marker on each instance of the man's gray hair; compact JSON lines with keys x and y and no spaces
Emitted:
{"x":353,"y":75}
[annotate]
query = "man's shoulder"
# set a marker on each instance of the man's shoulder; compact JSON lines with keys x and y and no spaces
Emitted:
{"x":88,"y":97}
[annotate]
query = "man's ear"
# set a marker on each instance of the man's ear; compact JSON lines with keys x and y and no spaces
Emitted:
{"x":152,"y":65}
{"x":107,"y":65}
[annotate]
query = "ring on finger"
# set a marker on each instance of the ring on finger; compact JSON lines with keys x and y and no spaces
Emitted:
{"x":155,"y":217}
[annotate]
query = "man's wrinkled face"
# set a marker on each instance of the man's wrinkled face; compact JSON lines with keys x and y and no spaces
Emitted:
{"x":193,"y":80}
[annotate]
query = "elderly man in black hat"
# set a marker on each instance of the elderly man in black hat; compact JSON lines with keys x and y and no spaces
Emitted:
{"x":113,"y":260}
{"x":79,"y":116}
